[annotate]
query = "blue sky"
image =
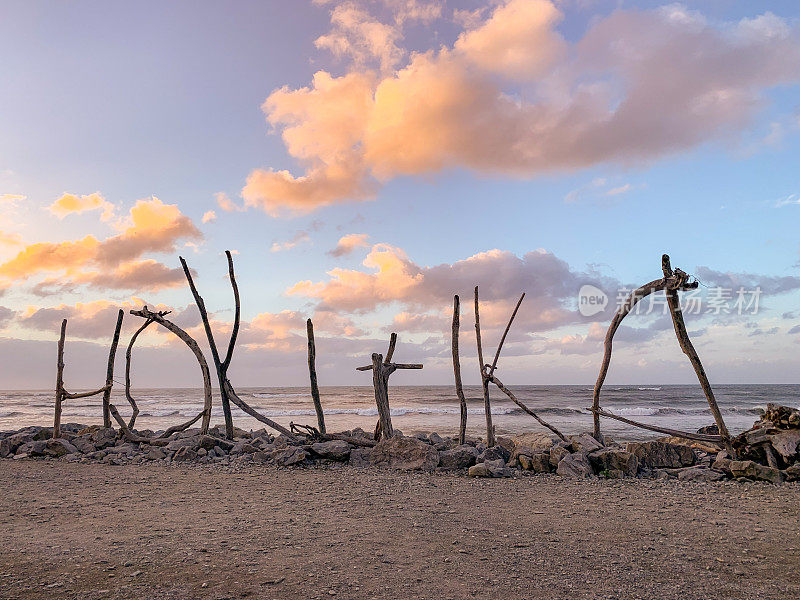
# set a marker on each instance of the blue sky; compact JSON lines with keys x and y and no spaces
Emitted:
{"x":165,"y":100}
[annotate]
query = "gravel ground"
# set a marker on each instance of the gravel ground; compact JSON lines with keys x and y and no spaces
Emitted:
{"x":98,"y":531}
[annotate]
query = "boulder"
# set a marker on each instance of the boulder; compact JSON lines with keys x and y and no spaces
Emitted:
{"x":753,"y":470}
{"x":59,"y":447}
{"x":332,"y":450}
{"x":460,"y":457}
{"x":84,"y":444}
{"x":184,"y":453}
{"x":538,"y":441}
{"x":103,"y":437}
{"x":187,"y":442}
{"x":491,"y":468}
{"x":574,"y":465}
{"x":291,"y":455}
{"x":404,"y":453}
{"x":614,"y":459}
{"x":785,"y":443}
{"x":584,"y":443}
{"x":495,"y":453}
{"x":661,"y":455}
{"x":556,"y":454}
{"x":722,"y":462}
{"x":697,"y":474}
{"x":538,"y":462}
{"x":42,"y":434}
{"x":792,"y":473}
{"x":439,"y":442}
{"x":359,"y":457}
{"x":9,"y":445}
{"x":209,"y":442}
{"x":156,"y":453}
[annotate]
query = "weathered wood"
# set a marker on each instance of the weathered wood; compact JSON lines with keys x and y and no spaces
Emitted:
{"x":674,"y":303}
{"x":390,"y":351}
{"x":236,"y":313}
{"x":59,"y":381}
{"x":128,"y":354}
{"x":221,"y":372}
{"x":519,"y":403}
{"x":380,"y":382}
{"x":699,"y":437}
{"x":487,"y":405}
{"x":158,"y":317}
{"x":71,"y":396}
{"x":112,"y":354}
{"x":129,"y":435}
{"x":312,"y":373}
{"x":505,"y":333}
{"x":462,"y":401}
{"x":237,"y":400}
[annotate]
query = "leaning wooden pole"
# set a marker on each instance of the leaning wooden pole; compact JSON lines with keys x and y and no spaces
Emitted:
{"x":59,"y":381}
{"x":487,"y":406}
{"x":112,"y":354}
{"x":312,"y":373}
{"x":462,"y":401}
{"x":674,"y":303}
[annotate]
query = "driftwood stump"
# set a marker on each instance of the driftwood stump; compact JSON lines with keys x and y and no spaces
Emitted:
{"x":312,"y":373}
{"x":462,"y":400}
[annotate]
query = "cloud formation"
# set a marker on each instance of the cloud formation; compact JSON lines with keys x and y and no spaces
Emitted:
{"x":115,"y":262}
{"x":348,"y":243}
{"x":511,"y":96}
{"x":70,"y":203}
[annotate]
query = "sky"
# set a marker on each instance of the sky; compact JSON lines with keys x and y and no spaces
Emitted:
{"x":365,"y":160}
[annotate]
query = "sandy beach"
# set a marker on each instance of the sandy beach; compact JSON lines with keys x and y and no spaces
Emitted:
{"x":259,"y":531}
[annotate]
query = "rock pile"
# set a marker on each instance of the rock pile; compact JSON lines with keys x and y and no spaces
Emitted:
{"x":768,"y":452}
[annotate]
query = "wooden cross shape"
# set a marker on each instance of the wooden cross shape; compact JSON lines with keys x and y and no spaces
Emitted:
{"x":381,"y":369}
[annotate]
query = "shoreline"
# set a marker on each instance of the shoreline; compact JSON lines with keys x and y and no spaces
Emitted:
{"x":179,"y":532}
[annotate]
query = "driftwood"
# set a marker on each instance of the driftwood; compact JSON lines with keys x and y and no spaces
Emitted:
{"x":62,"y":394}
{"x":487,"y":405}
{"x":488,"y":376}
{"x":462,"y":401}
{"x":700,"y":437}
{"x":227,"y":391}
{"x":158,"y":317}
{"x":128,"y":353}
{"x":673,"y":281}
{"x":382,"y":368}
{"x":312,"y":373}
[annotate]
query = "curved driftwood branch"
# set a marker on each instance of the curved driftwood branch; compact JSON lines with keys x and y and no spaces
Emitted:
{"x":254,"y":413}
{"x":487,"y":405}
{"x":638,"y":294}
{"x":312,"y":373}
{"x":462,"y":401}
{"x":112,"y":354}
{"x":71,"y":396}
{"x":221,"y":372}
{"x":505,"y":333}
{"x":700,"y":437}
{"x":128,"y":352}
{"x":519,"y":403}
{"x":674,"y":303}
{"x":158,"y":317}
{"x":236,"y":314}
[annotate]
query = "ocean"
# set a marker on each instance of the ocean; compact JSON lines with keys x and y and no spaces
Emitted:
{"x":426,"y":408}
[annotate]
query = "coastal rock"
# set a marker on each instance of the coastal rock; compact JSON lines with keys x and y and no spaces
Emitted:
{"x":460,"y":457}
{"x":661,"y":455}
{"x":584,"y":443}
{"x":697,"y":474}
{"x":289,"y":456}
{"x":722,"y":462}
{"x":209,"y":442}
{"x":538,"y":462}
{"x":491,"y":468}
{"x":359,"y":457}
{"x":538,"y":441}
{"x":614,"y":459}
{"x":404,"y":453}
{"x":556,"y":454}
{"x":792,"y":473}
{"x":103,"y":437}
{"x":156,"y":454}
{"x":59,"y":447}
{"x":9,"y":445}
{"x":84,"y":444}
{"x":785,"y":443}
{"x":495,"y":453}
{"x":575,"y":465}
{"x":184,"y":453}
{"x":333,"y":450}
{"x":753,"y":470}
{"x":439,"y":442}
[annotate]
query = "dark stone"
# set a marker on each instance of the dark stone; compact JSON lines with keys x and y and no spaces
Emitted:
{"x":661,"y":455}
{"x":332,"y":450}
{"x":404,"y":453}
{"x":460,"y":457}
{"x":614,"y":459}
{"x":753,"y":470}
{"x":287,"y":457}
{"x":575,"y":465}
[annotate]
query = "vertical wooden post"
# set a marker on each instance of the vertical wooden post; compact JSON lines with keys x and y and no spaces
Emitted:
{"x":487,"y":406}
{"x":312,"y":373}
{"x":59,"y":381}
{"x":462,"y":429}
{"x":112,"y":354}
{"x":380,"y":382}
